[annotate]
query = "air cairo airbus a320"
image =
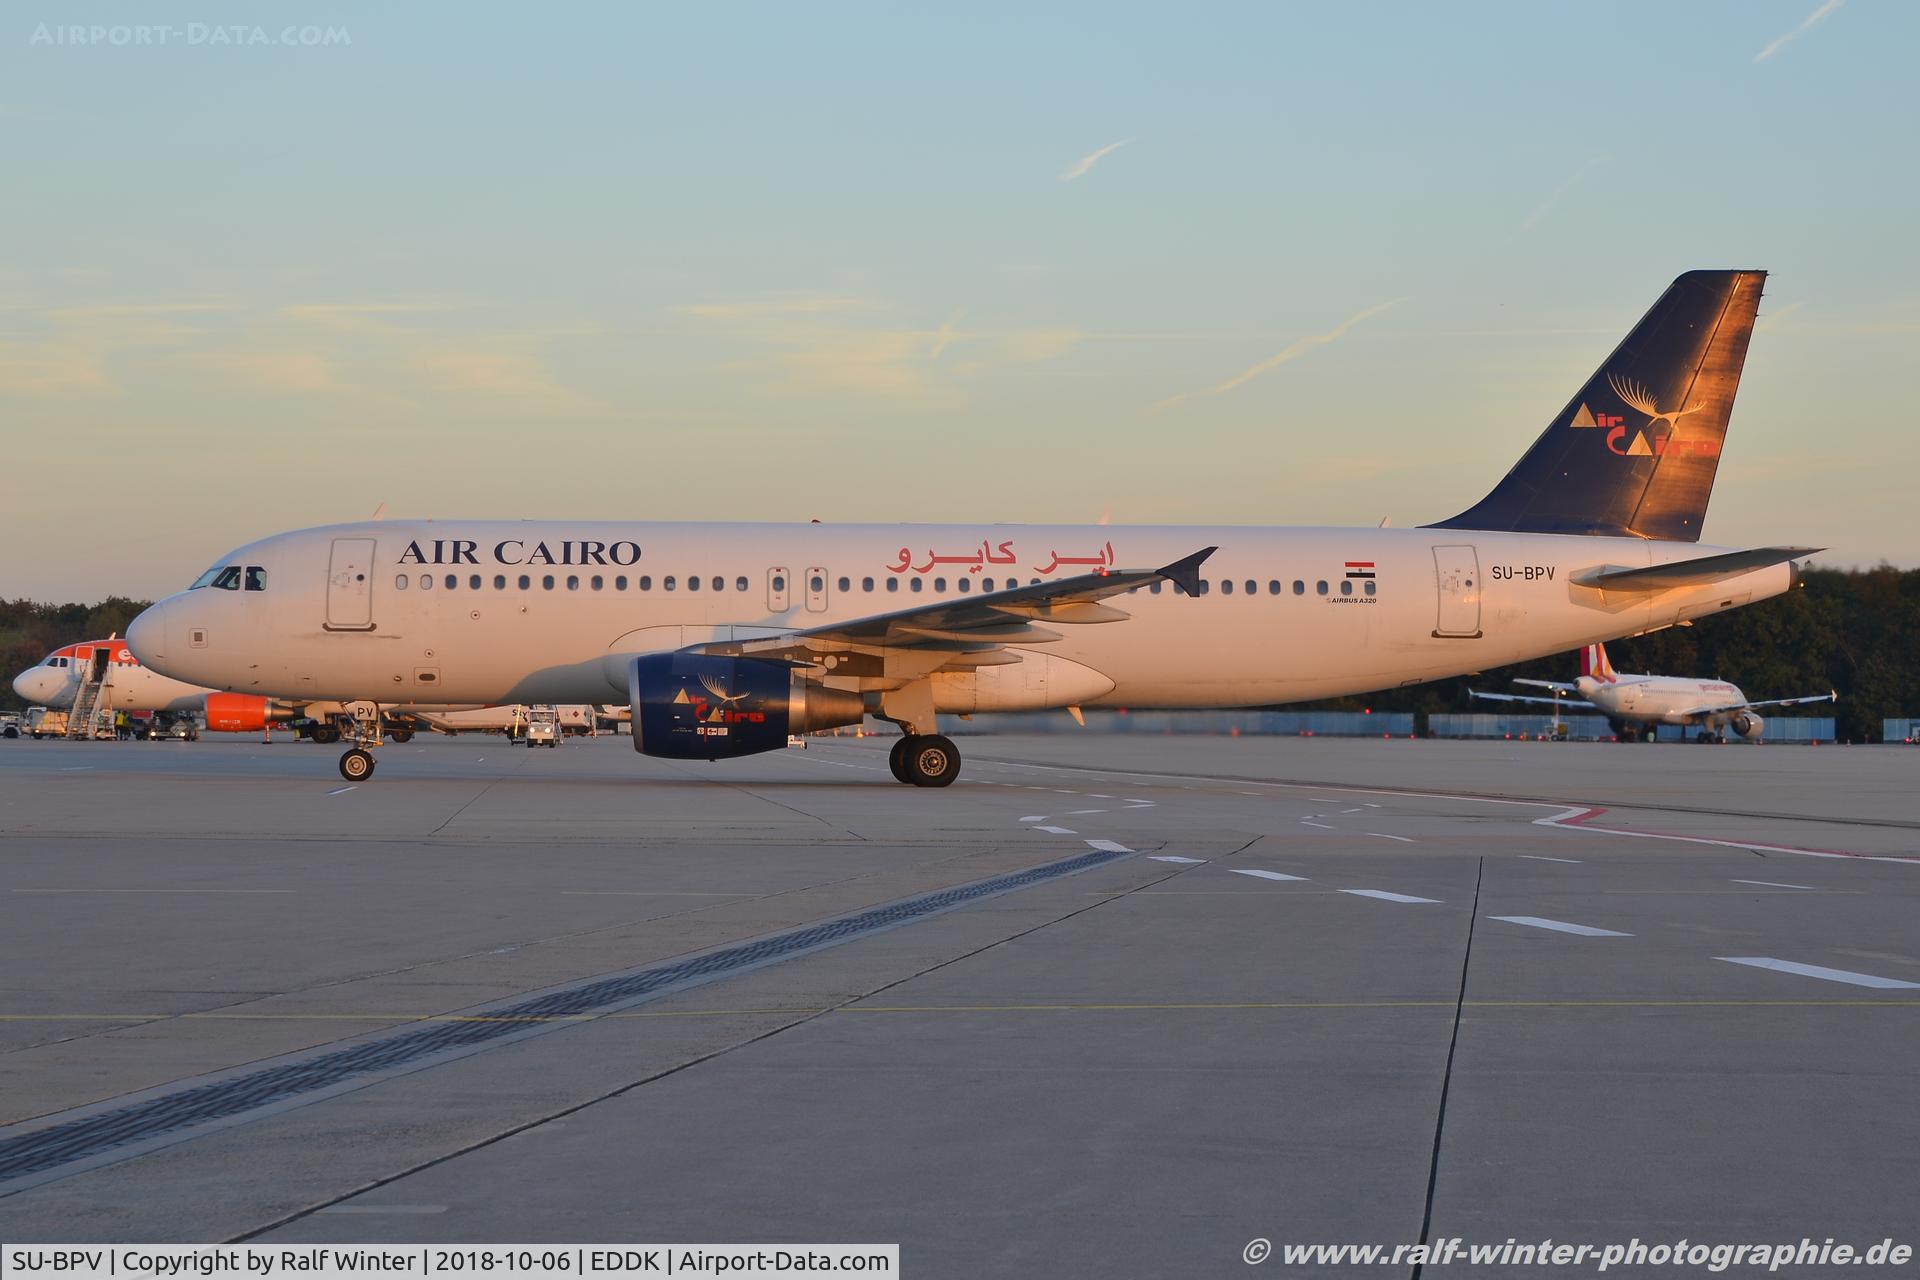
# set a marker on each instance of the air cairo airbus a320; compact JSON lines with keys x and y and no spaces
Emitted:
{"x":726,"y":638}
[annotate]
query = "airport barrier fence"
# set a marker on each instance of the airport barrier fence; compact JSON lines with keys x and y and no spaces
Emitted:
{"x":1494,"y":724}
{"x":1903,"y":730}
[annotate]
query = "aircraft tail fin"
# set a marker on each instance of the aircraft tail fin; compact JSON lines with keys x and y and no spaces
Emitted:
{"x":1635,"y":451}
{"x":1594,"y":664}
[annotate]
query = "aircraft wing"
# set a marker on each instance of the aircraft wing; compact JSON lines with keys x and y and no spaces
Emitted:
{"x":1548,"y":684}
{"x":959,"y":634}
{"x":1770,"y":702}
{"x":1690,"y":573}
{"x":1521,"y":697}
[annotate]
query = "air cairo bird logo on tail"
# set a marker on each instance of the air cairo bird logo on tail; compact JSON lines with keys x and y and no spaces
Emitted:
{"x":1650,"y":441}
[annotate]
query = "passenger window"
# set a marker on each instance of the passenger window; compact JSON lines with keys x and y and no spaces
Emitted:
{"x":1346,"y":588}
{"x":646,"y":582}
{"x":693,"y":582}
{"x":426,"y":581}
{"x":1205,"y":586}
{"x":669,"y":582}
{"x":866,"y":584}
{"x":940,"y":585}
{"x":740,"y":584}
{"x":816,"y":584}
{"x":1273,"y":587}
{"x":1252,"y":586}
{"x":473,"y":583}
{"x":846,"y":584}
{"x":779,"y":582}
{"x":256,"y":578}
{"x":1226,"y":586}
{"x":965,"y":584}
{"x":597,"y":582}
{"x":620,"y":582}
{"x":1369,"y":588}
{"x":546,"y":582}
{"x":915,"y":585}
{"x":573,"y":582}
{"x":1155,"y":588}
{"x":400,"y":582}
{"x":1321,"y":586}
{"x":526,"y":583}
{"x":986,"y":584}
{"x":1299,"y":587}
{"x":893,"y":584}
{"x":499,"y":582}
{"x":719,"y":583}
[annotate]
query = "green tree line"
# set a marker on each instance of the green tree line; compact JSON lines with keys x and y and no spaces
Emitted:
{"x":1855,"y":631}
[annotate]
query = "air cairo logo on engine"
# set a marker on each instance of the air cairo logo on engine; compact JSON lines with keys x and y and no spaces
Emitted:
{"x":1649,"y":441}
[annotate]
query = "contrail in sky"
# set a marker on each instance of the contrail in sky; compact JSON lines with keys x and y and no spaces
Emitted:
{"x":1084,"y":165}
{"x":1811,"y":21}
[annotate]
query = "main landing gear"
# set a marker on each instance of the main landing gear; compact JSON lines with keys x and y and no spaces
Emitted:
{"x":356,"y":765}
{"x":925,"y":760}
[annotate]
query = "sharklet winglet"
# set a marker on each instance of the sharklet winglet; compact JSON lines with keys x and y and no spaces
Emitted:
{"x":1185,"y":572}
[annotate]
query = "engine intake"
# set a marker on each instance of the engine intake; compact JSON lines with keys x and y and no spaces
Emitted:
{"x":1747,"y":725}
{"x":697,"y":706}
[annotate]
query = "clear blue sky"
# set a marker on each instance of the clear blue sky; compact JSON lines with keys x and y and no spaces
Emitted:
{"x":793,"y":261}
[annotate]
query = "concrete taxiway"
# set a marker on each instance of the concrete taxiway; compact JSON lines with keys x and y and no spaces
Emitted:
{"x":1110,"y":1005}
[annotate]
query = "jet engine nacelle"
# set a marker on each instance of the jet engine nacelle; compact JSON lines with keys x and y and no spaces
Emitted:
{"x":244,"y":712}
{"x":1747,"y":725}
{"x":697,"y":706}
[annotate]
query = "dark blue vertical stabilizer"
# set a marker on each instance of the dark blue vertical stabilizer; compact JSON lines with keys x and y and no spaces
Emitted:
{"x":1635,"y":452}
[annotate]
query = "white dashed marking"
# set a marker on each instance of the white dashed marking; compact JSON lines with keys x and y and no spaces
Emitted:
{"x":1821,"y":971}
{"x":1541,"y":857}
{"x":1381,"y":835}
{"x":1561,"y":926}
{"x":1384,"y":896}
{"x":1774,"y":884}
{"x":1174,"y":857}
{"x":1264,"y":875}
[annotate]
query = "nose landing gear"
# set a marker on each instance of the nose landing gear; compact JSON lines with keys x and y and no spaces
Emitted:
{"x":357,"y":763}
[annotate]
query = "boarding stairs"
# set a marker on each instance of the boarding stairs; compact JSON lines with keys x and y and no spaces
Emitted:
{"x":91,"y":706}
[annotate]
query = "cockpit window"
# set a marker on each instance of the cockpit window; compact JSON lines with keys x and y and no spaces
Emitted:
{"x":256,"y":578}
{"x":205,"y":579}
{"x":228,"y":579}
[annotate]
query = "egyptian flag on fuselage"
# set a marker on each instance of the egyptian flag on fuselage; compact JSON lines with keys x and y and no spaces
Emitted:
{"x":1359,"y":569}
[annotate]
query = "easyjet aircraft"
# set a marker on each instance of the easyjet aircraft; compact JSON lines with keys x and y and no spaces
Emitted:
{"x":1634,"y":704}
{"x":56,"y":678}
{"x":725,"y":638}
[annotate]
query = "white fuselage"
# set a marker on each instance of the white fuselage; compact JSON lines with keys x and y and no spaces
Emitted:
{"x":1663,"y":699}
{"x":55,"y":679}
{"x":551,"y":611}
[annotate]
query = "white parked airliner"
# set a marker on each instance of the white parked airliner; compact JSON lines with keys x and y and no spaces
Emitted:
{"x":725,"y":638}
{"x":1635,"y":704}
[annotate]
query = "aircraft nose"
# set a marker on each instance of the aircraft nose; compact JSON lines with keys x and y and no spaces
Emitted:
{"x":39,"y":685}
{"x":147,"y":636}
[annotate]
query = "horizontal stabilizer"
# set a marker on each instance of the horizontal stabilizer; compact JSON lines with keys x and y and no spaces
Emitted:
{"x":1691,"y":573}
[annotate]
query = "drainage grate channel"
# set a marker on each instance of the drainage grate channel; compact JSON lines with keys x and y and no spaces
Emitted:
{"x":91,"y":1136}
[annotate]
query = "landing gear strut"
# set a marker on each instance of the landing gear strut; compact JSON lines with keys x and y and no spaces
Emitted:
{"x":925,"y":760}
{"x":356,"y":765}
